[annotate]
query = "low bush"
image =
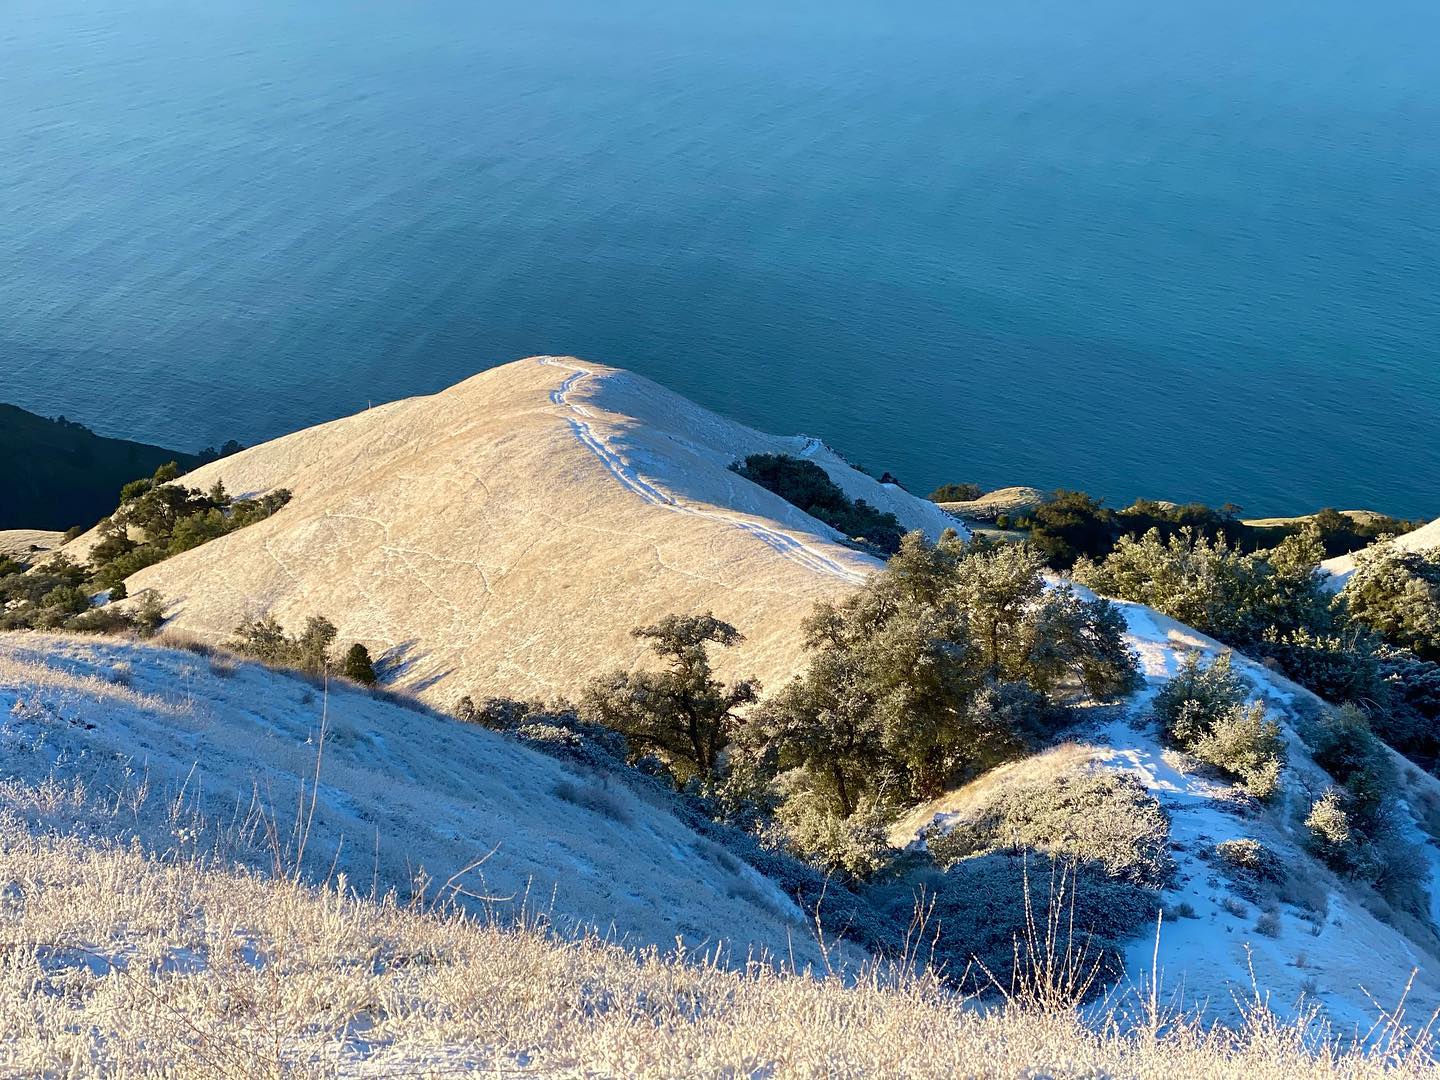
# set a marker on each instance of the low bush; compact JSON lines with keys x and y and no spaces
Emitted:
{"x":1397,"y":594}
{"x":1104,"y":818}
{"x":947,"y":493}
{"x":1245,"y":744}
{"x":856,"y":845}
{"x":1331,"y":837}
{"x":1203,"y":710}
{"x":266,"y":640}
{"x":1252,"y":857}
{"x":357,"y":665}
{"x":1252,"y":868}
{"x":155,"y":520}
{"x":999,"y":919}
{"x":596,"y":795}
{"x":557,"y":730}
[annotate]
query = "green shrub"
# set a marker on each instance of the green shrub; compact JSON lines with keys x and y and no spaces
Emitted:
{"x":1331,"y":836}
{"x":196,"y":529}
{"x":1340,"y":665}
{"x":70,"y":599}
{"x":357,"y":665}
{"x":1341,"y":534}
{"x":265,"y":640}
{"x":1251,"y":866}
{"x":1197,"y":696}
{"x":999,"y":918}
{"x":1203,"y":710}
{"x":947,"y":493}
{"x":1276,"y":604}
{"x":681,"y":712}
{"x":1397,"y":594}
{"x":556,"y":730}
{"x":149,"y":612}
{"x":1407,"y":714}
{"x":1216,"y":588}
{"x":1250,"y":855}
{"x":856,"y":845}
{"x":953,"y":658}
{"x":1247,"y":745}
{"x":168,"y":519}
{"x":806,"y":485}
{"x":104,"y":620}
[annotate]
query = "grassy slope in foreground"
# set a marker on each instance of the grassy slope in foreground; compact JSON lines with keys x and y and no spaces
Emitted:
{"x":124,"y":965}
{"x":55,"y":475}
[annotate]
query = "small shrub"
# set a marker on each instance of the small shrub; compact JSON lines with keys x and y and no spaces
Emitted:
{"x":856,"y":845}
{"x":70,"y":599}
{"x":1252,"y":857}
{"x":103,"y":620}
{"x":1269,"y":924}
{"x":149,"y":612}
{"x":1190,"y":703}
{"x":947,"y":493}
{"x":1246,"y":744}
{"x":265,"y":639}
{"x":1002,"y":919}
{"x":1331,"y":836}
{"x":1345,"y":747}
{"x":1203,"y":710}
{"x":1397,"y":594}
{"x":357,"y":665}
{"x":1100,"y":816}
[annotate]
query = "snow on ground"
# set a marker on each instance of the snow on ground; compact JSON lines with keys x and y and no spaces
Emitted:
{"x":1330,"y":946}
{"x":402,"y":792}
{"x":808,"y":554}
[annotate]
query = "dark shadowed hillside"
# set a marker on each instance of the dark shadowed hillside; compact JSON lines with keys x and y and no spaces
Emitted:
{"x":57,"y":473}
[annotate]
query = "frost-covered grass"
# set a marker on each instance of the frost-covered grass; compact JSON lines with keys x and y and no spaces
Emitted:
{"x":231,"y":759}
{"x":120,"y":964}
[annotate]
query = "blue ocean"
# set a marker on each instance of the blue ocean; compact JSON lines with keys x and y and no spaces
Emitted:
{"x":1187,"y":251}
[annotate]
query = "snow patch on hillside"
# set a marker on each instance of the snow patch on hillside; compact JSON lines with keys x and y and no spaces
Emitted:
{"x":1324,"y":945}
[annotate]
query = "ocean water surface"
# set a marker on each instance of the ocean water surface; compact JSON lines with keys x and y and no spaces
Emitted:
{"x":1175,"y":250}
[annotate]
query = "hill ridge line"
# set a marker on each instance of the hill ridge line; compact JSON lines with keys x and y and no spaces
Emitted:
{"x":783,"y":543}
